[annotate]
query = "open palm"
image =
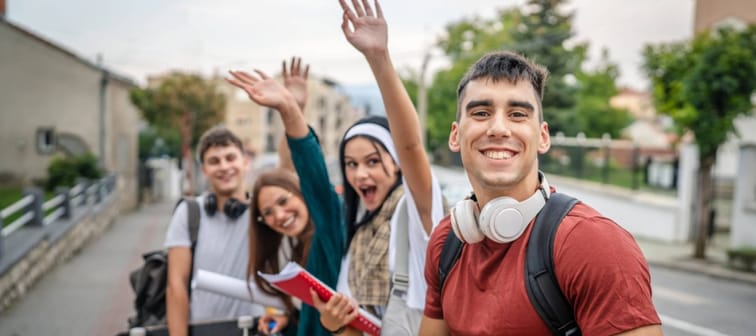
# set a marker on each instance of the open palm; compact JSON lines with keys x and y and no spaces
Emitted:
{"x":368,"y":32}
{"x":295,"y":80}
{"x":263,"y":90}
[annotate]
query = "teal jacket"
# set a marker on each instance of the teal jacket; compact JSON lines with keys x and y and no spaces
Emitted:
{"x":329,"y":242}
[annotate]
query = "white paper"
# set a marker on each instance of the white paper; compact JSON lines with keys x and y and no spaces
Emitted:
{"x":288,"y":272}
{"x":235,"y":288}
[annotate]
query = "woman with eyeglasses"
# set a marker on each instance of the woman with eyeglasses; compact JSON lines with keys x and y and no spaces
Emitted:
{"x":283,"y":228}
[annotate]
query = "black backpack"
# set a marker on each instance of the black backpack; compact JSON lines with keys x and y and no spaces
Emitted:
{"x":150,"y":280}
{"x":540,"y":281}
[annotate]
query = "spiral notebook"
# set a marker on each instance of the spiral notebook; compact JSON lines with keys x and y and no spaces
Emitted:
{"x":296,"y":281}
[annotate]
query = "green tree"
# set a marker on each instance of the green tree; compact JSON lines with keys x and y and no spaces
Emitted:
{"x":595,"y":88}
{"x":704,"y":85}
{"x":156,"y":142}
{"x":184,"y":102}
{"x":541,"y":34}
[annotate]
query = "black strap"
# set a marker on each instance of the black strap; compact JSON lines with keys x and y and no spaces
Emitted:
{"x":541,"y":283}
{"x":540,"y":279}
{"x":450,"y":252}
{"x":193,"y":221}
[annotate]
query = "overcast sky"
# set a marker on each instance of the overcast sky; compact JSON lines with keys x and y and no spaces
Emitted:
{"x":142,"y":37}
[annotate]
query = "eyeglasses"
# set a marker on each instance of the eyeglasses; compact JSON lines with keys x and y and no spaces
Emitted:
{"x":269,"y":211}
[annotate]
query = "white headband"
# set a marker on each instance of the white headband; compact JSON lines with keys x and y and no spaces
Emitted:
{"x":376,"y":131}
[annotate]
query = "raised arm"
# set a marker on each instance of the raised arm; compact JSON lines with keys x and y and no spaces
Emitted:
{"x":267,"y":92}
{"x":366,"y":31}
{"x":295,"y":80}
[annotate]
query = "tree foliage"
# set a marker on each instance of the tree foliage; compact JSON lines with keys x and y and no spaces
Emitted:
{"x":704,"y":85}
{"x":164,"y":106}
{"x":542,"y":34}
{"x":593,"y":113}
{"x":540,"y":31}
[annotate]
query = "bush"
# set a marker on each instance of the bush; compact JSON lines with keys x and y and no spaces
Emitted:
{"x":64,"y":170}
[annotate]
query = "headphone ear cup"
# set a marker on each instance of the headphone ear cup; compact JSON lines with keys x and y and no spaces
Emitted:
{"x":464,"y":222}
{"x":234,"y":208}
{"x":501,"y":220}
{"x":211,"y":204}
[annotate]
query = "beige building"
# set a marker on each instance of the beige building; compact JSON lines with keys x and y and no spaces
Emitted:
{"x":638,"y":103}
{"x":327,"y":110}
{"x":715,"y":13}
{"x":53,"y":102}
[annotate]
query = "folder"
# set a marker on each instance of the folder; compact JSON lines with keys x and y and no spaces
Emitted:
{"x":296,"y":281}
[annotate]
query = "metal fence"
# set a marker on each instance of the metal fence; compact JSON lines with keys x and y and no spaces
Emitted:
{"x":615,"y":162}
{"x":35,"y":211}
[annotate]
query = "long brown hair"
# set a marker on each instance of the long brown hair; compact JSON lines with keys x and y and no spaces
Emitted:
{"x":264,"y":242}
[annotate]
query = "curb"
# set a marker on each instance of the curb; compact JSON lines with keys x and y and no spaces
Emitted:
{"x":708,"y":268}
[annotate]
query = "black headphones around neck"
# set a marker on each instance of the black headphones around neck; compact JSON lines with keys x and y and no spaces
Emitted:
{"x":233,"y":208}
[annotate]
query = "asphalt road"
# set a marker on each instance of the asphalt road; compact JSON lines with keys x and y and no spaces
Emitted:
{"x":694,"y":304}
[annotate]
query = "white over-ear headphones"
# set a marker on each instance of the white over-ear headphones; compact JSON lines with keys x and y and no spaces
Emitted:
{"x":502,"y":220}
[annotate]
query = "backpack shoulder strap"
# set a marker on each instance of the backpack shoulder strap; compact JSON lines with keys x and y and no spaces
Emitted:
{"x":450,"y":252}
{"x":540,"y":280}
{"x":193,"y":217}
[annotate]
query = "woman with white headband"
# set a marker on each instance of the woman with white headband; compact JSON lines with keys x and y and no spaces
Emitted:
{"x":392,"y":200}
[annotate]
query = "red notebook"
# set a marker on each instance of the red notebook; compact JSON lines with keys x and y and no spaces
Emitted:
{"x":296,"y":281}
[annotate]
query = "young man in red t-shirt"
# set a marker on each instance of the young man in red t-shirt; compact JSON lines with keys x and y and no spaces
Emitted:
{"x":499,"y":133}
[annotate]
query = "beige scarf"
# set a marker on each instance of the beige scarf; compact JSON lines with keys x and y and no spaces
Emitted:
{"x":369,"y":276}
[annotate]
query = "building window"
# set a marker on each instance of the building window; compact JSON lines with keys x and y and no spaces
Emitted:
{"x":46,"y":140}
{"x":271,"y":112}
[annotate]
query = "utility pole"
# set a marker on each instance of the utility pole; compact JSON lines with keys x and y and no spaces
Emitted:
{"x":422,"y":98}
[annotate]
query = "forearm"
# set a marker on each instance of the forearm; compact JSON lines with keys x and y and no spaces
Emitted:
{"x":405,"y":131}
{"x":177,"y":310}
{"x":293,"y":120}
{"x":284,"y":156}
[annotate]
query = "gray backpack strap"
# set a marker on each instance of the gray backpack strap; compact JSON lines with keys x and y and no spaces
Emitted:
{"x":400,"y":279}
{"x":193,"y":221}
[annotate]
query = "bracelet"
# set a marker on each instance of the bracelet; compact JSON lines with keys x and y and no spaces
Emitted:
{"x":335,"y":332}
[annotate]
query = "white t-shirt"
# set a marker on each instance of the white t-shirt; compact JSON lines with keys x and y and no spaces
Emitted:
{"x":418,"y":243}
{"x":222,"y":247}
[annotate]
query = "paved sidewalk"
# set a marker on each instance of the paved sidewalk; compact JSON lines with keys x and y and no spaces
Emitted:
{"x":90,"y":293}
{"x":678,"y":256}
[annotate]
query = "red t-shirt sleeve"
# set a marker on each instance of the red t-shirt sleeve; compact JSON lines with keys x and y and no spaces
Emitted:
{"x":603,"y":273}
{"x":433,"y":307}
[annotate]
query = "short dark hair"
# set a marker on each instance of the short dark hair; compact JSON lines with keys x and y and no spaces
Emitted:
{"x":216,"y":136}
{"x":505,"y":65}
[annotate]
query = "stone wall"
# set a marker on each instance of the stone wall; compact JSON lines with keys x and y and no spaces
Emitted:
{"x":56,"y":247}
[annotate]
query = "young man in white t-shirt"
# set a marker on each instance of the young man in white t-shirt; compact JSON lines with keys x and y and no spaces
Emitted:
{"x":222,"y":239}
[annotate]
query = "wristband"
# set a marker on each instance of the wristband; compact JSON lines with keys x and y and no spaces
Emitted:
{"x":335,"y":332}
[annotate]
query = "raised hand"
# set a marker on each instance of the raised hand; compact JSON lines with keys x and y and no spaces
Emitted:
{"x":262,"y":90}
{"x":368,"y":32}
{"x":295,"y":80}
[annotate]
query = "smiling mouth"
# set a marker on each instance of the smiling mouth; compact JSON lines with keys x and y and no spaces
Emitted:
{"x":498,"y":155}
{"x":288,"y":222}
{"x":368,"y":192}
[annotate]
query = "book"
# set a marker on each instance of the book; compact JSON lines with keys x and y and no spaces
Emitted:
{"x":296,"y":281}
{"x":235,"y":288}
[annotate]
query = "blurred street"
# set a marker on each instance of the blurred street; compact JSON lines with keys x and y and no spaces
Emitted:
{"x":90,"y":294}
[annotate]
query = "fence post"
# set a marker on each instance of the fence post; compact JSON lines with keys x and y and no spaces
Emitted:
{"x":66,"y":204}
{"x":580,"y":153}
{"x":636,"y":157}
{"x":36,"y":206}
{"x":606,"y":140}
{"x":97,"y":193}
{"x":1,"y":237}
{"x":84,"y":195}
